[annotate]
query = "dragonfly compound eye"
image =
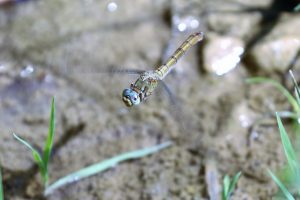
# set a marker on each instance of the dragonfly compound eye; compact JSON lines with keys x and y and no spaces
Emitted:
{"x":130,"y":97}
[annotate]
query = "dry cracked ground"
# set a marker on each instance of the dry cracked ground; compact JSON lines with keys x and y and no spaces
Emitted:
{"x":64,"y":49}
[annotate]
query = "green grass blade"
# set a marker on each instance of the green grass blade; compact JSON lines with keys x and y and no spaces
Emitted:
{"x":234,"y":182}
{"x":229,"y":185}
{"x":284,"y":91}
{"x":288,"y":148}
{"x":35,"y":153}
{"x":288,"y":114}
{"x":297,"y":8}
{"x":1,"y":187}
{"x":297,"y":94}
{"x":49,"y":142}
{"x":297,"y":90}
{"x":104,"y":165}
{"x":226,"y":183}
{"x":284,"y":190}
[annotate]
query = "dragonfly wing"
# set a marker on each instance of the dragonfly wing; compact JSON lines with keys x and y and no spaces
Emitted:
{"x":124,"y":71}
{"x":108,"y":70}
{"x":171,"y":95}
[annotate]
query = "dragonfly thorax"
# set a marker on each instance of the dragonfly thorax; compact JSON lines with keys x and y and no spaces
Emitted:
{"x":139,"y":91}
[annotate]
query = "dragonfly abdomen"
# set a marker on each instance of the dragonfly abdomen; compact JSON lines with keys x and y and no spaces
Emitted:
{"x":193,"y":39}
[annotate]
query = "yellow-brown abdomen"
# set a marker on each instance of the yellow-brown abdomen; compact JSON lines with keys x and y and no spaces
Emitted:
{"x":193,"y":39}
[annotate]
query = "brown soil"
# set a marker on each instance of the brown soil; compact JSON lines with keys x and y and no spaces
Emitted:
{"x":213,"y":123}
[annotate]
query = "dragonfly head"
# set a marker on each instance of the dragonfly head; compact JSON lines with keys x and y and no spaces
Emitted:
{"x":130,"y":97}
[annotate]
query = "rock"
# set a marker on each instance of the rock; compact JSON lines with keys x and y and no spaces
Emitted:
{"x":228,"y":23}
{"x":278,"y":50}
{"x":222,"y":54}
{"x":275,"y":55}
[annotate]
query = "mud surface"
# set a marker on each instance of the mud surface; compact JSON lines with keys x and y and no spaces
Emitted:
{"x":64,"y":48}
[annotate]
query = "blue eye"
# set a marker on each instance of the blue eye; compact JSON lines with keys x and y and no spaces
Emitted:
{"x":130,"y":97}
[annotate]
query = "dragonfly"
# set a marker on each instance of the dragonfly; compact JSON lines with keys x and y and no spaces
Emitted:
{"x":148,"y":81}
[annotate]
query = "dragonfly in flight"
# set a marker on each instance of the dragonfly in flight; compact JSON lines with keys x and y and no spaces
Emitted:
{"x":148,"y":80}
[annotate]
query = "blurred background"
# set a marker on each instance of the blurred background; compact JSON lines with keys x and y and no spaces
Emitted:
{"x":68,"y":49}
